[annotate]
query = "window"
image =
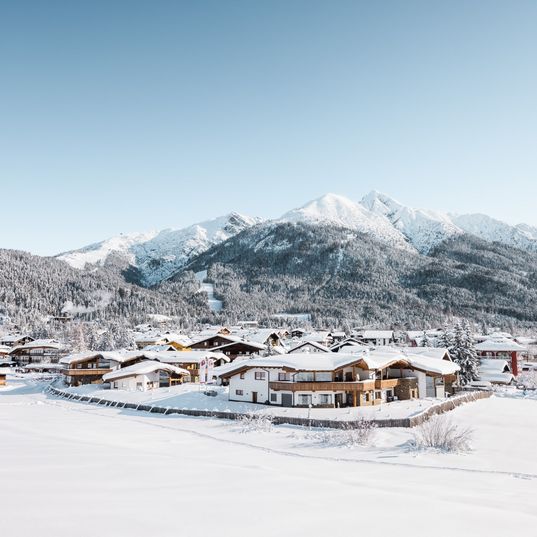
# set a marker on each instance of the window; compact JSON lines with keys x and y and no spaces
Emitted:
{"x":305,"y":376}
{"x":378,"y":395}
{"x":304,"y":399}
{"x":283,"y":376}
{"x":242,"y":375}
{"x":239,"y":392}
{"x":260,"y":375}
{"x":323,"y":377}
{"x":325,"y":399}
{"x":273,"y":398}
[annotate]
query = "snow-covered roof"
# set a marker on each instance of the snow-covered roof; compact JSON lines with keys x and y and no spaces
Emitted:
{"x":13,"y":338}
{"x":315,"y":344}
{"x":143,"y":368}
{"x":85,"y":356}
{"x":39,"y":343}
{"x":253,"y":344}
{"x":375,"y":334}
{"x":499,"y":344}
{"x":179,"y":357}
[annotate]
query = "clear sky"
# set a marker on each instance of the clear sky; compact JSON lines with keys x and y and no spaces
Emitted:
{"x":121,"y":116}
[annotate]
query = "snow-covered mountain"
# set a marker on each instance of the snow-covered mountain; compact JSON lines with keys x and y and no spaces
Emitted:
{"x":158,"y":255}
{"x":423,"y":229}
{"x":489,"y":229}
{"x":340,"y":211}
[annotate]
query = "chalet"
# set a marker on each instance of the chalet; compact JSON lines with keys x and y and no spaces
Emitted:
{"x":88,"y":367}
{"x":191,"y":360}
{"x":338,"y":379}
{"x":240,"y":348}
{"x":231,"y":346}
{"x":265,"y":336}
{"x":146,"y":375}
{"x":375,"y":337}
{"x":38,"y":351}
{"x":298,"y":333}
{"x":15,"y":340}
{"x":214,"y":340}
{"x":309,"y":347}
{"x":336,"y":337}
{"x":503,"y":348}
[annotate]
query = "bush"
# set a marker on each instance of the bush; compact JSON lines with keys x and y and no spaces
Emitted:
{"x":358,"y":433}
{"x":441,"y":433}
{"x":255,"y":423}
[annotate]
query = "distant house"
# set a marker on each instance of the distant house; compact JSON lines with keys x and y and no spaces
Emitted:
{"x":495,"y":371}
{"x":375,"y":337}
{"x":88,"y":367}
{"x":191,"y":360}
{"x":3,"y":376}
{"x":15,"y":340}
{"x":38,"y":351}
{"x":146,"y":375}
{"x":309,"y":347}
{"x":231,"y":346}
{"x":178,"y":341}
{"x":503,"y":348}
{"x":349,"y":344}
{"x":328,"y":379}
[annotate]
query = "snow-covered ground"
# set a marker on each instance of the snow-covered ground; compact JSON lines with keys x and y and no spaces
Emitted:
{"x":76,"y":469}
{"x":192,"y":396}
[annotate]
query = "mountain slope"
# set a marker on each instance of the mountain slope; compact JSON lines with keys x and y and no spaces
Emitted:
{"x":423,"y":229}
{"x":344,"y":277}
{"x":520,"y":236}
{"x":150,"y":258}
{"x":33,"y":287}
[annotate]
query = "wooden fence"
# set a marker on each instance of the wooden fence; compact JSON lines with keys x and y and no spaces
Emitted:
{"x":412,"y":421}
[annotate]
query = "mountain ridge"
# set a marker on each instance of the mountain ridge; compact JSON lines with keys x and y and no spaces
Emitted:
{"x":153,"y":257}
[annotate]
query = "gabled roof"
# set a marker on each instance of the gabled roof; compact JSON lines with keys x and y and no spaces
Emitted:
{"x":185,"y":357}
{"x":86,"y":356}
{"x":311,"y":344}
{"x":499,"y":344}
{"x":252,"y":344}
{"x":38,"y":343}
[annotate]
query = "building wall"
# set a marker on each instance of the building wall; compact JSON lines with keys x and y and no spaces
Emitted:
{"x":132,"y":383}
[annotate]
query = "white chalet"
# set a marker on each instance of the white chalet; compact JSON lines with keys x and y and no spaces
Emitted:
{"x":327,"y":379}
{"x":146,"y":375}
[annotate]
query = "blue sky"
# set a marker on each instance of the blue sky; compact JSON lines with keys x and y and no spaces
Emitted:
{"x":122,"y":116}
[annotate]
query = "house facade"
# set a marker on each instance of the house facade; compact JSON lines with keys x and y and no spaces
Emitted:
{"x":338,"y":380}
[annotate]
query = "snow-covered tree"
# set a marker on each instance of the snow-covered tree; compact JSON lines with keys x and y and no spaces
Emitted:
{"x":445,"y":341}
{"x":425,"y":341}
{"x":464,"y":354}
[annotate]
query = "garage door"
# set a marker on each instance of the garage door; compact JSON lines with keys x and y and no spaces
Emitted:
{"x":287,"y":399}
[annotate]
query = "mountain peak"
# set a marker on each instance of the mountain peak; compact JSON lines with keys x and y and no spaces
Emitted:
{"x":343,"y":212}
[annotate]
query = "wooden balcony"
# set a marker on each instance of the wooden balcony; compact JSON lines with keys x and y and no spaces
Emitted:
{"x":93,"y":372}
{"x":358,"y":386}
{"x":386,"y":384}
{"x":343,"y":386}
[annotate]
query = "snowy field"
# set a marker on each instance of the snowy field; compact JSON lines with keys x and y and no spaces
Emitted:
{"x":72,"y":469}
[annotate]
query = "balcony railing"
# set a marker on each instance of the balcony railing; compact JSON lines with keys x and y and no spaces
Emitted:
{"x":343,"y":386}
{"x":93,"y":371}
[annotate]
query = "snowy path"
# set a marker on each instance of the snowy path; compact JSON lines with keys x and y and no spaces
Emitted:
{"x":215,"y":305}
{"x":183,"y":476}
